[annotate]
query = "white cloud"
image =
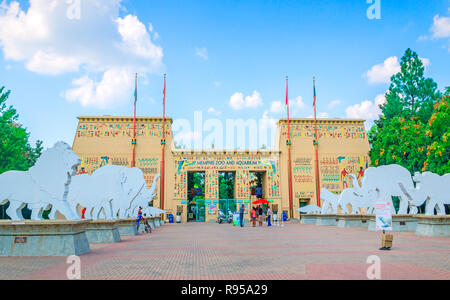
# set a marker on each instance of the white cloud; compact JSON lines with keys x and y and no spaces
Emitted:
{"x":334,"y":103}
{"x":237,"y":101}
{"x":296,"y":104}
{"x":277,"y":107}
{"x":213,"y":111}
{"x":441,"y":27}
{"x":101,"y":44}
{"x":367,"y":110}
{"x":202,"y":52}
{"x":217,"y":83}
{"x":267,"y":122}
{"x":114,"y":89}
{"x":382,"y":73}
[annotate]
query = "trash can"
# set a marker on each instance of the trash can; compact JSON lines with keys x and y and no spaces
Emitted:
{"x":178,"y":217}
{"x":284,"y":216}
{"x":170,"y":218}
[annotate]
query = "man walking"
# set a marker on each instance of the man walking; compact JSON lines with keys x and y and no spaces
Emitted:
{"x":241,"y":215}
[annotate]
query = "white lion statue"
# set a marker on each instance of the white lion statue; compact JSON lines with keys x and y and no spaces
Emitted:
{"x":45,"y":185}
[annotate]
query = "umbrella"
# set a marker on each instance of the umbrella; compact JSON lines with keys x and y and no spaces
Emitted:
{"x":261,"y":201}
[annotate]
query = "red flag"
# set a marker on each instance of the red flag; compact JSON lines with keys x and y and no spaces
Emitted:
{"x":287,"y":93}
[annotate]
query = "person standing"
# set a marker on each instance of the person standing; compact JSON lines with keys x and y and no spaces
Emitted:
{"x":269,"y":214}
{"x":138,"y":220}
{"x":254,"y":216}
{"x":241,"y":215}
{"x":260,"y":215}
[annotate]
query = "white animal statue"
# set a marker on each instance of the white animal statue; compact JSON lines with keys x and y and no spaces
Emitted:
{"x":108,"y":193}
{"x":350,"y":196}
{"x":310,"y":209}
{"x":330,"y":202}
{"x":386,"y":182}
{"x":431,"y":189}
{"x":143,"y":199}
{"x":45,"y":184}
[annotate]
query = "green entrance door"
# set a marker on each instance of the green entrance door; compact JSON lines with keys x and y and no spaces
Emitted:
{"x":200,"y":207}
{"x":225,"y":204}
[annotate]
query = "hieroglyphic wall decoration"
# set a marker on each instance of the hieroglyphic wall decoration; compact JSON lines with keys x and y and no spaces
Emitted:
{"x":103,"y":129}
{"x":242,"y":165}
{"x":303,"y":177}
{"x":345,"y":131}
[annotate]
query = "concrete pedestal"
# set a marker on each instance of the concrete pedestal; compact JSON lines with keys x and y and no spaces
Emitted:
{"x":127,"y":227}
{"x":326,"y":220}
{"x":103,"y":231}
{"x":157,"y":221}
{"x":43,"y":238}
{"x":399,"y":223}
{"x":151,"y":222}
{"x":353,"y":221}
{"x":308,"y":219}
{"x":433,"y":225}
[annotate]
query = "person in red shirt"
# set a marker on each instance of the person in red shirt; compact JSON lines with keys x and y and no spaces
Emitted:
{"x":82,"y":213}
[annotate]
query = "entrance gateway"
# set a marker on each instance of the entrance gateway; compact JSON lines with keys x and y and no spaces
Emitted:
{"x":343,"y":149}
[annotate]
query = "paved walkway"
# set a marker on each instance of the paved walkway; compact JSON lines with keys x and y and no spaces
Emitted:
{"x":213,"y":251}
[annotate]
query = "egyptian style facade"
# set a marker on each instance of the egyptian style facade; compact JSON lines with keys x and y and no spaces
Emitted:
{"x":343,"y":149}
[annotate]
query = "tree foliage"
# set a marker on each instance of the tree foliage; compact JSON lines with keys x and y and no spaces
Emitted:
{"x":16,"y":153}
{"x":414,"y":128}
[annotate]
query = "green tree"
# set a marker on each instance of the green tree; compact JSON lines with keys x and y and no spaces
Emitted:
{"x":399,"y":136}
{"x":438,"y":152}
{"x":16,"y":153}
{"x":410,"y":93}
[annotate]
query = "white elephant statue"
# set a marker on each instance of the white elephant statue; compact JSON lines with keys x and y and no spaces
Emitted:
{"x":310,"y":209}
{"x":143,"y":199}
{"x":330,"y":202}
{"x":431,"y":189}
{"x":357,"y":202}
{"x":386,"y":182}
{"x":45,"y":185}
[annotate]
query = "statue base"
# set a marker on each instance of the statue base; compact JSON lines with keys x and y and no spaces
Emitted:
{"x":103,"y":231}
{"x":399,"y":223}
{"x":43,"y":238}
{"x":157,"y":221}
{"x":353,"y":221}
{"x":327,"y":220}
{"x":127,"y":227}
{"x":433,"y":225}
{"x":308,"y":219}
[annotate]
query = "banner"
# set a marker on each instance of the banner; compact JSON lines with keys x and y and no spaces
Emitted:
{"x":383,"y":210}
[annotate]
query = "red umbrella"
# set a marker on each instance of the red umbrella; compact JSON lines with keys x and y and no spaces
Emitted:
{"x":261,"y":201}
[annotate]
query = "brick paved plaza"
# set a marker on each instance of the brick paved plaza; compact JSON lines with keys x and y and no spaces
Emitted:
{"x":213,"y":251}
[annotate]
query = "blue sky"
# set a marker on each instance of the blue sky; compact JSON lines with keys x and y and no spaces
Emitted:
{"x":227,"y":59}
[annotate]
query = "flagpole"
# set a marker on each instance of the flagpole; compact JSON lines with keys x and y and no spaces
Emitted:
{"x":289,"y":143}
{"x":163,"y":144}
{"x":316,"y":146}
{"x":133,"y":142}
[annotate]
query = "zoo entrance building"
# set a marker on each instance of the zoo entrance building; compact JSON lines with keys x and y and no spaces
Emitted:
{"x":342,"y":149}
